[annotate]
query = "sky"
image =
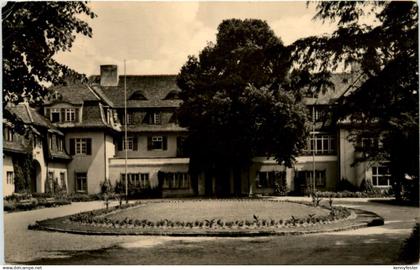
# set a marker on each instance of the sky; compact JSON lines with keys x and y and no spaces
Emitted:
{"x":157,"y":37}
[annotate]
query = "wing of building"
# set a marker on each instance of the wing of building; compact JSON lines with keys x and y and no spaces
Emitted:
{"x":77,"y":141}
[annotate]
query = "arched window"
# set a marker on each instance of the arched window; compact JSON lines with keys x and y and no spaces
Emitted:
{"x":137,"y":95}
{"x":174,"y":94}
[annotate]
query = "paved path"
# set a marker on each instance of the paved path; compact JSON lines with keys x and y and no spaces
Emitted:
{"x":376,"y":245}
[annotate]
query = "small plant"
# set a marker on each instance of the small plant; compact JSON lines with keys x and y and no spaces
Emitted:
{"x":272,"y":222}
{"x":310,"y":218}
{"x":220,"y":222}
{"x":210,"y":223}
{"x":293,"y":220}
{"x":330,"y":201}
{"x":315,"y":199}
{"x":256,"y":219}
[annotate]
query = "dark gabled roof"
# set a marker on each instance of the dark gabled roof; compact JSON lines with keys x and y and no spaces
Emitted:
{"x":173,"y":94}
{"x":92,"y":117}
{"x":30,"y":116}
{"x":74,"y":94}
{"x":137,"y":95}
{"x":156,"y":128}
{"x":341,"y":82}
{"x":58,"y":155}
{"x":155,"y":88}
{"x":15,"y":147}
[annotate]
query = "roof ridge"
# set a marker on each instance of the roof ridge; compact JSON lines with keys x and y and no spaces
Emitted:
{"x":94,"y":93}
{"x":28,"y":111}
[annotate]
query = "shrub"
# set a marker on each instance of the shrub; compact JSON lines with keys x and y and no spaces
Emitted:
{"x":280,"y":185}
{"x":41,"y":195}
{"x":83,"y":197}
{"x":316,"y":199}
{"x":411,"y":190}
{"x":345,"y":184}
{"x":366,"y":186}
{"x":9,"y":205}
{"x":18,"y":197}
{"x":410,"y":250}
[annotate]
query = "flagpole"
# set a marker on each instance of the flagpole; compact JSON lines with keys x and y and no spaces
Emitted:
{"x":125,"y":133}
{"x":314,"y":146}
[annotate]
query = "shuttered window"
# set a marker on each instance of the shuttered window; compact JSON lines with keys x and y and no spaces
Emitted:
{"x":131,"y":144}
{"x":80,"y":146}
{"x":157,"y":143}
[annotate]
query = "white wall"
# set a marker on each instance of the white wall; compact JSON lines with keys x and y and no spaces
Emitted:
{"x":356,"y":173}
{"x":94,"y":165}
{"x":8,"y":189}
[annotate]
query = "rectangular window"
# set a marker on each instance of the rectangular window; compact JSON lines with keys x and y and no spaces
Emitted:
{"x":51,"y":176}
{"x":320,"y":178}
{"x":155,"y":118}
{"x":10,"y":178}
{"x":62,"y":179}
{"x":7,"y":134}
{"x":157,"y":142}
{"x":381,"y":176}
{"x":129,"y":144}
{"x":82,"y":146}
{"x":321,"y":144}
{"x":81,"y":182}
{"x":59,"y":144}
{"x":268,"y":179}
{"x":55,"y":115}
{"x":129,"y":118}
{"x":176,"y":180}
{"x":317,"y":113}
{"x":137,"y":180}
{"x":70,"y":115}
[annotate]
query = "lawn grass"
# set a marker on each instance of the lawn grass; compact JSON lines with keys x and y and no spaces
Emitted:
{"x":227,"y":210}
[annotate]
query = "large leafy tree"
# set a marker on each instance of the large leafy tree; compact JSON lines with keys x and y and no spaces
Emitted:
{"x":33,"y":32}
{"x":382,"y":103}
{"x":235,"y":100}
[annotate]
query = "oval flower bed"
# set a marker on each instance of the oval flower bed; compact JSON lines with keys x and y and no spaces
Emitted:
{"x":146,"y":219}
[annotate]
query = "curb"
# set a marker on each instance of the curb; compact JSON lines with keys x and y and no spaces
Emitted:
{"x":365,"y":219}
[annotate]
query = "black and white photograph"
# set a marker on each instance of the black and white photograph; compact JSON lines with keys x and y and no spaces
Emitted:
{"x":210,"y":133}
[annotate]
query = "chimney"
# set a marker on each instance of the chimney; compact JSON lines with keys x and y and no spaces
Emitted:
{"x":109,"y":75}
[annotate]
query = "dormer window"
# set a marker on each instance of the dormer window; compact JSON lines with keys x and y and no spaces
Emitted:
{"x":138,"y":95}
{"x":129,"y":118}
{"x":70,"y":115}
{"x":7,"y":134}
{"x":59,"y":142}
{"x":55,"y":115}
{"x":174,"y":94}
{"x":58,"y":115}
{"x":155,"y":118}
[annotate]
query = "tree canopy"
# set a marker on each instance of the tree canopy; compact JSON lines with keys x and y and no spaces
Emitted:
{"x":235,"y":101}
{"x":33,"y":32}
{"x":383,"y":102}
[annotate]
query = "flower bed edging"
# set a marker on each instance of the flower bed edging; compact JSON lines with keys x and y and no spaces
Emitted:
{"x":212,"y":228}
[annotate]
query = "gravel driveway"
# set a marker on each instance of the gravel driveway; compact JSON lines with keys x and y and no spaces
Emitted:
{"x":375,"y":245}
